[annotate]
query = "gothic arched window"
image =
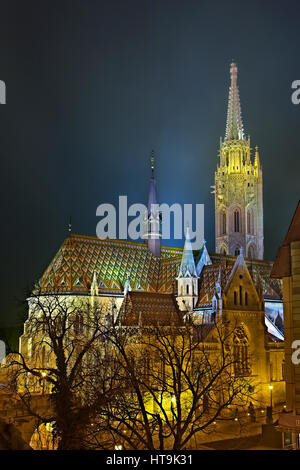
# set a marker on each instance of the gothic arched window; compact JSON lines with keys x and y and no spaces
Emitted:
{"x":241,"y":352}
{"x":237,"y":251}
{"x":241,"y":295}
{"x":250,"y":222}
{"x":250,"y":252}
{"x":223,"y":223}
{"x":236,"y":220}
{"x":223,"y":250}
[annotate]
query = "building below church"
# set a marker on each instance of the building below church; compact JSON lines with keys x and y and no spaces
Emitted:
{"x":287,"y":267}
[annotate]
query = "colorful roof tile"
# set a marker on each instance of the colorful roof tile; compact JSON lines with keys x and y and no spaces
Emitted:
{"x":146,"y":309}
{"x":115,"y":261}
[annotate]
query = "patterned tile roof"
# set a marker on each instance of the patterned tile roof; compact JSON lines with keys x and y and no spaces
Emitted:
{"x":113,"y":261}
{"x":146,"y":309}
{"x":73,"y":266}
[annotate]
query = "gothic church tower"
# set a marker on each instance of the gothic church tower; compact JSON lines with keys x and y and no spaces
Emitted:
{"x":238,"y":187}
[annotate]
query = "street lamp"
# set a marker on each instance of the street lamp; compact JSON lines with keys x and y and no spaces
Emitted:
{"x":271,"y":391}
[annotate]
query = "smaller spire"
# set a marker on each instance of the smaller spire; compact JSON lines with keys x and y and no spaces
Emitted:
{"x":152,"y":199}
{"x":127,"y":286}
{"x":152,"y":161}
{"x":256,"y":160}
{"x":219,"y":282}
{"x":94,"y":285}
{"x":187,"y":266}
{"x":204,"y":259}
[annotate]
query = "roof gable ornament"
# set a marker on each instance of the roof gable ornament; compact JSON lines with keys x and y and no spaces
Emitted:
{"x":94,"y":285}
{"x":127,"y":286}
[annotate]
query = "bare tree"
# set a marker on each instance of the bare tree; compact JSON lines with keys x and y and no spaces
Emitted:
{"x":106,"y":384}
{"x":59,"y":360}
{"x":178,"y":383}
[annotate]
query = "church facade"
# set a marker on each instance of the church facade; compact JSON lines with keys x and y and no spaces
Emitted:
{"x":234,"y":283}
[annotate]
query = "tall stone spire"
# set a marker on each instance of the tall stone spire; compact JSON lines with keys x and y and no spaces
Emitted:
{"x":152,"y":217}
{"x":234,"y":124}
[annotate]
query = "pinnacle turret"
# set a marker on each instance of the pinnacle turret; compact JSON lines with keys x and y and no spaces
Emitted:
{"x":187,"y":266}
{"x":94,"y":285}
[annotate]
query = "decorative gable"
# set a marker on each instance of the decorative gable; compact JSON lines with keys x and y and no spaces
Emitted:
{"x":240,"y":292}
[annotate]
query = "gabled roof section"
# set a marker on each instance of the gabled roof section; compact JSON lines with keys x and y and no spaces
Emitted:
{"x":239,"y":263}
{"x":146,"y":309}
{"x":276,"y":334}
{"x":208,"y":280}
{"x":240,"y":269}
{"x":282,"y":264}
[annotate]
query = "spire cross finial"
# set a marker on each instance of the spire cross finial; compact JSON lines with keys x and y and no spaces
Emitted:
{"x":70,"y":225}
{"x":233,"y":73}
{"x":152,"y":161}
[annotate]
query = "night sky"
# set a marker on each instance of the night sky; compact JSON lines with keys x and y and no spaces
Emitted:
{"x":93,"y":86}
